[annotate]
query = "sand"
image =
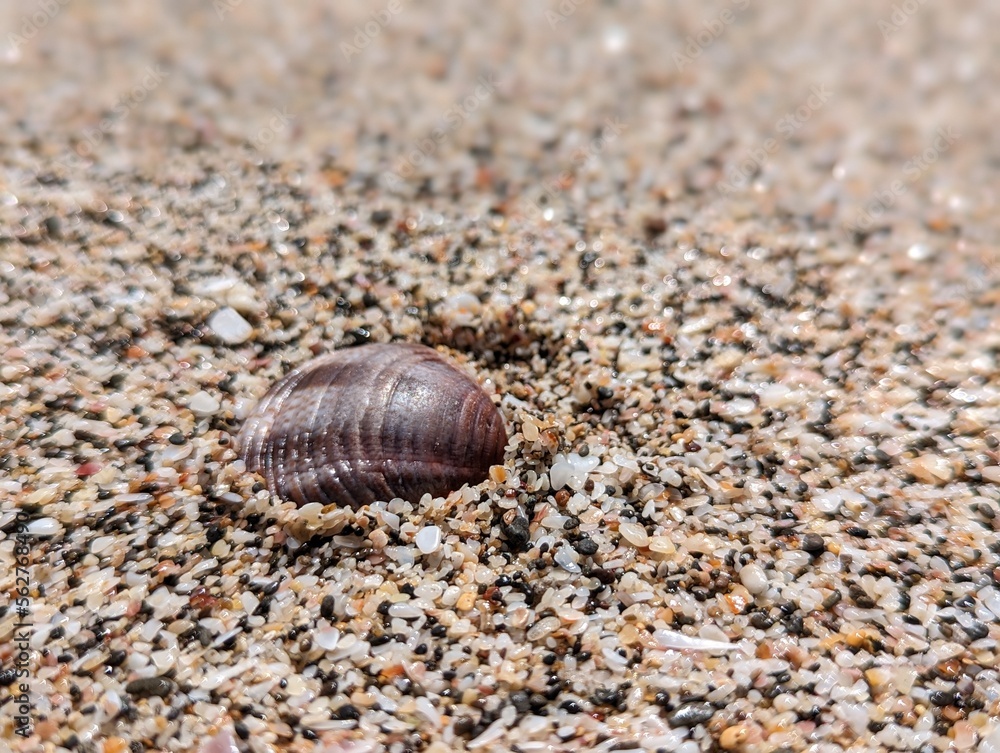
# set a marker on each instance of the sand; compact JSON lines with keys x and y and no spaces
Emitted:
{"x":729,"y":270}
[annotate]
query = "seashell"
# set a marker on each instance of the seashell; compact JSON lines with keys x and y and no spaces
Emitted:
{"x":372,"y":423}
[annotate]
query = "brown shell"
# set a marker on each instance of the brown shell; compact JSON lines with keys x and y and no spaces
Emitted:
{"x":372,"y":423}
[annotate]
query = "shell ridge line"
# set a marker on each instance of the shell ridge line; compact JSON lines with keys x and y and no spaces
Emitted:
{"x":335,"y":461}
{"x":452,"y":449}
{"x":286,"y":438}
{"x":495,"y":439}
{"x":309,"y":431}
{"x":475,"y":444}
{"x":415,"y":469}
{"x":361,"y":477}
{"x":500,"y":437}
{"x":466,"y":461}
{"x":333,"y":464}
{"x":449,"y":383}
{"x":250,"y":439}
{"x":385,"y":461}
{"x":385,"y":382}
{"x":308,"y":435}
{"x":476,"y":460}
{"x":397,"y":445}
{"x":247,"y":441}
{"x":271,"y":449}
{"x":282,"y":455}
{"x":357,"y":477}
{"x":437,"y":464}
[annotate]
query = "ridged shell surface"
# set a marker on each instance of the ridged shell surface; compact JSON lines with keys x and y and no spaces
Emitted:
{"x":372,"y":423}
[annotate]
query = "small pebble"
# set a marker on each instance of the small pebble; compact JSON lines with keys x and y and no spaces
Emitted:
{"x":931,"y":469}
{"x":753,"y":577}
{"x":634,"y":534}
{"x":517,"y":532}
{"x":41,"y":496}
{"x":44,"y":527}
{"x":229,"y":326}
{"x":566,"y":559}
{"x":813,"y":543}
{"x":571,"y":470}
{"x":150,"y":686}
{"x":327,"y":638}
{"x":736,"y":737}
{"x":530,"y":431}
{"x":465,"y":601}
{"x":691,"y":715}
{"x":428,"y":539}
{"x":586,"y":546}
{"x":203,"y":404}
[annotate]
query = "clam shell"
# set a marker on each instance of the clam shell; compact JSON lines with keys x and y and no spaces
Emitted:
{"x":373,"y":423}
